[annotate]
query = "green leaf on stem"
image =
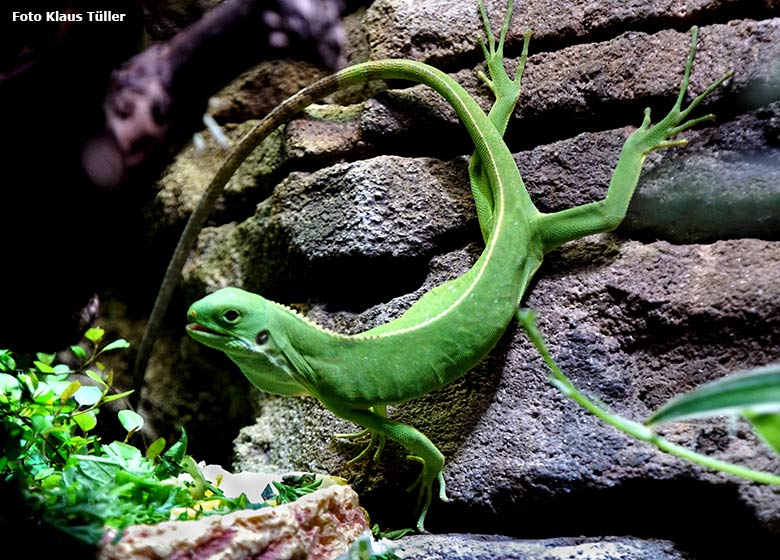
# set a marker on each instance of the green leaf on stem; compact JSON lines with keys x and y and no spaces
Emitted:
{"x":756,"y":391}
{"x":86,"y":421}
{"x":130,"y":420}
{"x":95,"y":334}
{"x":117,"y":344}
{"x":88,"y":395}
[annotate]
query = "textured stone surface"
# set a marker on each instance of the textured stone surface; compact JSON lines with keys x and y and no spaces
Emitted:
{"x":593,"y":86}
{"x":724,"y":184}
{"x":491,"y":547}
{"x":438,"y":31}
{"x":318,"y":526}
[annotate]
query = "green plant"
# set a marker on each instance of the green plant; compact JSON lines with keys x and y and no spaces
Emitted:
{"x":754,"y":395}
{"x":371,"y":545}
{"x":49,"y":446}
{"x":48,"y":415}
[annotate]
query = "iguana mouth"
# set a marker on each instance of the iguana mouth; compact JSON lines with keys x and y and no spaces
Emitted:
{"x":200,"y":328}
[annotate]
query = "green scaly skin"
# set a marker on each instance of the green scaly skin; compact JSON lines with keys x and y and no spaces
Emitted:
{"x":452,"y":327}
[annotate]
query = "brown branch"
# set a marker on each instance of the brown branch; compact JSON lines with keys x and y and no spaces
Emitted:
{"x":157,"y":99}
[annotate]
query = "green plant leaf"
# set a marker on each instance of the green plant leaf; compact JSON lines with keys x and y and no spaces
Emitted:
{"x":130,"y":420}
{"x":170,"y":461}
{"x":86,"y":421}
{"x":756,"y":390}
{"x":96,"y":377}
{"x":293,"y":487}
{"x":69,"y":391}
{"x":51,"y":481}
{"x":392,"y":535}
{"x":43,"y":367}
{"x":47,"y":359}
{"x":88,"y":395}
{"x":123,"y":452}
{"x":62,"y":369}
{"x":95,"y":334}
{"x":109,"y":398}
{"x":79,"y":352}
{"x":767,"y":426}
{"x":30,"y":379}
{"x":117,"y":344}
{"x":155,"y":448}
{"x":10,"y":387}
{"x":43,"y":393}
{"x":7,"y":363}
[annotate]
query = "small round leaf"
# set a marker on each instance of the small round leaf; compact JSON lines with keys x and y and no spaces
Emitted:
{"x":87,"y":396}
{"x":86,"y":421}
{"x":130,"y":420}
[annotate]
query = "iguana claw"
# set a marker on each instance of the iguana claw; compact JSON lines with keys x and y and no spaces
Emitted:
{"x":425,"y":483}
{"x":659,"y":136}
{"x":372,"y":436}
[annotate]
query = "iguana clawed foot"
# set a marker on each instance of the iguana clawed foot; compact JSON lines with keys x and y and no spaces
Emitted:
{"x":371,"y":438}
{"x":430,"y":473}
{"x":658,"y":136}
{"x":504,"y":88}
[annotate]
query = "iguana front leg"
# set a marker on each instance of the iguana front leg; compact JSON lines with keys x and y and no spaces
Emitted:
{"x":506,"y":91}
{"x":420,"y":447}
{"x":605,"y":215}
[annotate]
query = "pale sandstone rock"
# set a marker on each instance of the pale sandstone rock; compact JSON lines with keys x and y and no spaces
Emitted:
{"x":320,"y":525}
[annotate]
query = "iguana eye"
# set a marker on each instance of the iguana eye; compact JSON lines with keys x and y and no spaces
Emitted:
{"x":262,"y":337}
{"x":230,"y":315}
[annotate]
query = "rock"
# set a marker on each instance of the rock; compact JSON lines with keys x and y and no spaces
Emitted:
{"x":723,"y":185}
{"x":311,"y":227}
{"x":572,"y":90}
{"x":318,"y":526}
{"x":440,"y":31}
{"x":495,"y":547}
{"x":256,"y":92}
{"x":364,"y":217}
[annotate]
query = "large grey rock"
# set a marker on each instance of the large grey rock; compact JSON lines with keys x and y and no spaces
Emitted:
{"x":724,"y":184}
{"x":438,"y":31}
{"x":492,"y":547}
{"x":342,"y":226}
{"x":593,"y":86}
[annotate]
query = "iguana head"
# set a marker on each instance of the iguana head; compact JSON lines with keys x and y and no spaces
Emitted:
{"x":230,"y":320}
{"x":250,"y":330}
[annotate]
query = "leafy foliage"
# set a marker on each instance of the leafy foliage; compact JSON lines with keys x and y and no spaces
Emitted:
{"x":49,"y":446}
{"x":370,"y":546}
{"x":290,"y":488}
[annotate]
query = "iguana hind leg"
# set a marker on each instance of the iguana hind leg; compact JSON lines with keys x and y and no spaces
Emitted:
{"x":506,"y":91}
{"x":604,"y":215}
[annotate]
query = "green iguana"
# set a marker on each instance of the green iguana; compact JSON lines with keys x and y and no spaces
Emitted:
{"x":452,"y":327}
